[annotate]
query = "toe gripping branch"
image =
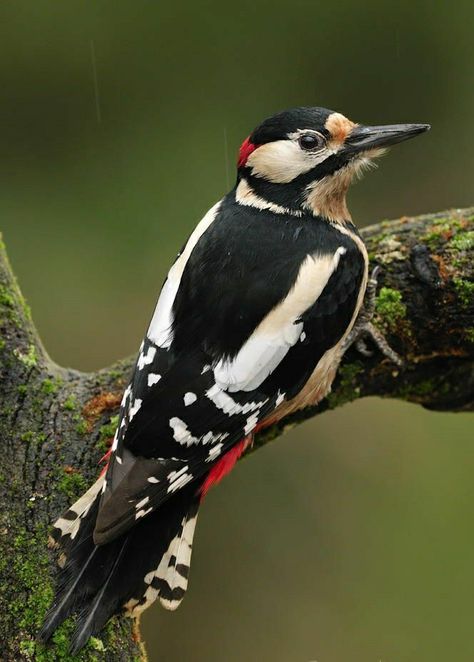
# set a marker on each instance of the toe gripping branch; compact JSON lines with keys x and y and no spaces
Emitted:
{"x":363,"y":327}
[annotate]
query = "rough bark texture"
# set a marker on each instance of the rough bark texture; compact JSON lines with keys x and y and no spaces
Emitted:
{"x":55,"y":423}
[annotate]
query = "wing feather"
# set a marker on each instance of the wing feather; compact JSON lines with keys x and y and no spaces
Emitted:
{"x":279,"y":330}
{"x":191,"y":398}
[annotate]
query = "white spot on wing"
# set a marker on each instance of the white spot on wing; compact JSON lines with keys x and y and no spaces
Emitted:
{"x":179,"y":482}
{"x":189,"y":398}
{"x":142,"y":513}
{"x":210,"y":437}
{"x":181,"y":434}
{"x":214,"y":452}
{"x":251,"y":423}
{"x":153,"y":378}
{"x":175,"y":474}
{"x":228,"y":405}
{"x":142,"y":503}
{"x":134,"y":408}
{"x":146,"y":359}
{"x":280,"y":398}
{"x":126,"y":393}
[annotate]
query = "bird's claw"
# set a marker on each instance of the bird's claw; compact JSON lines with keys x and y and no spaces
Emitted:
{"x":364,"y":328}
{"x":362,"y":348}
{"x":369,"y":330}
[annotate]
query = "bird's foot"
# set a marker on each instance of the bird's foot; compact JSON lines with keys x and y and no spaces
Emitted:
{"x":363,"y":327}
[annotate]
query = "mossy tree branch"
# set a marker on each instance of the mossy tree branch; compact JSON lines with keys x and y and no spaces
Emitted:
{"x":56,"y":423}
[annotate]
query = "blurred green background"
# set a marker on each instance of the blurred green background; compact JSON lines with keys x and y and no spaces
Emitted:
{"x":351,"y":538}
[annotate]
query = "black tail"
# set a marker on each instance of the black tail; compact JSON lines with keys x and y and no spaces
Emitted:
{"x":150,"y":561}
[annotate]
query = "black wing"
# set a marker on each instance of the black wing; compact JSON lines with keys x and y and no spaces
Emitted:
{"x":177,"y":420}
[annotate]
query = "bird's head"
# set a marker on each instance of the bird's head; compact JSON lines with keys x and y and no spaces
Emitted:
{"x":305,"y":159}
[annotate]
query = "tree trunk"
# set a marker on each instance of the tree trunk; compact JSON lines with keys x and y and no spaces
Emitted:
{"x":55,"y":424}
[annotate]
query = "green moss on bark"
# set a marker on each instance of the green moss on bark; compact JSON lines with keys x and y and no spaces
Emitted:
{"x":463,"y":241}
{"x":390,"y":308}
{"x":70,"y":403}
{"x":106,"y":433}
{"x":465,"y":291}
{"x":28,"y":358}
{"x":347,"y":389}
{"x":72,"y":484}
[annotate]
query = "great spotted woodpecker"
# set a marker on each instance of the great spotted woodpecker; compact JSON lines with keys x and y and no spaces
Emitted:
{"x":251,"y":324}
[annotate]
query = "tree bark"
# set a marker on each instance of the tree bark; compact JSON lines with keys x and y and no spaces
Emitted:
{"x":56,"y":423}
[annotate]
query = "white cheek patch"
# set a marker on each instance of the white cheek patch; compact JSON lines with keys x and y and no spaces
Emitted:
{"x":282,"y":161}
{"x":159,"y":330}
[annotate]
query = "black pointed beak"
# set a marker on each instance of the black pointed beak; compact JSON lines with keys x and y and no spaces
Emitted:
{"x":364,"y":138}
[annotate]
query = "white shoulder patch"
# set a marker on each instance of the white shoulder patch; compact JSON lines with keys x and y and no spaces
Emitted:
{"x":159,"y":330}
{"x":279,"y":330}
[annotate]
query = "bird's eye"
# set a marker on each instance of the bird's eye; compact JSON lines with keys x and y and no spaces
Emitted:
{"x":310,"y":141}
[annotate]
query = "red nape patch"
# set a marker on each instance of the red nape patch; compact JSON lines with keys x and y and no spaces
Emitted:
{"x":225,"y":465}
{"x":245,"y":150}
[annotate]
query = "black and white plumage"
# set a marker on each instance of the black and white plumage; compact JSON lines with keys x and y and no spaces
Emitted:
{"x":249,"y":326}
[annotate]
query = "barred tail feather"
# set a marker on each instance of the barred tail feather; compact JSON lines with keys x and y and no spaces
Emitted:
{"x":148,"y":562}
{"x":66,"y":527}
{"x":169,"y":580}
{"x":177,"y":572}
